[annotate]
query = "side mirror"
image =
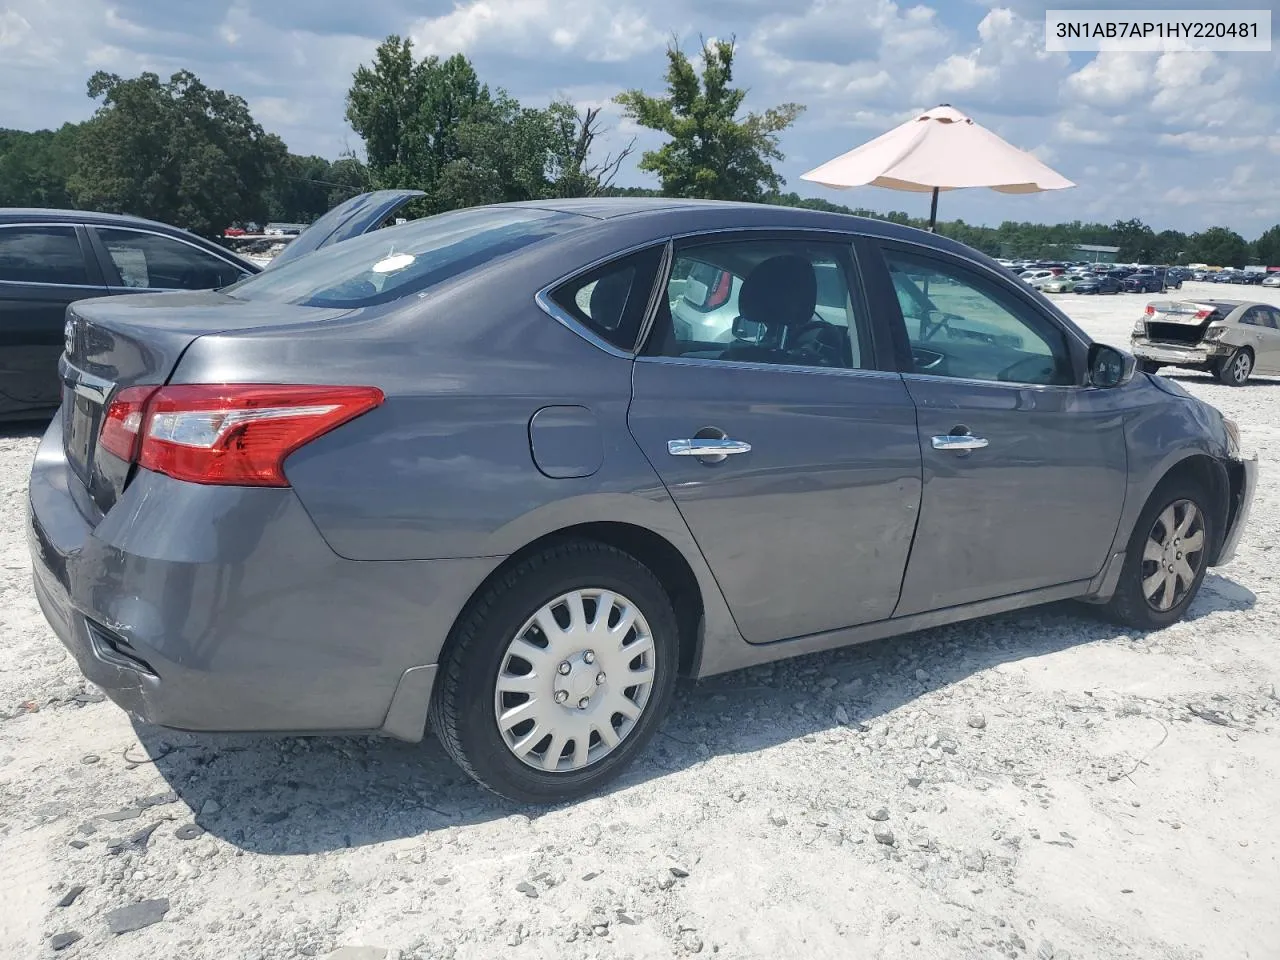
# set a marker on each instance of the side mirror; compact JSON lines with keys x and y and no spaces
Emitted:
{"x":1109,"y":367}
{"x":748,"y":330}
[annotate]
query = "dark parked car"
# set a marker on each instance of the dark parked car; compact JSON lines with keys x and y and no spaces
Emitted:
{"x":469,"y":468}
{"x":1098,"y":283}
{"x":51,"y":258}
{"x":1144,"y":281}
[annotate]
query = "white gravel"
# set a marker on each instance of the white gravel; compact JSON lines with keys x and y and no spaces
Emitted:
{"x":1033,"y":785}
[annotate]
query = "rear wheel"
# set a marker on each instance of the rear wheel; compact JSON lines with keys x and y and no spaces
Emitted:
{"x":1166,"y":558}
{"x":1235,"y":369}
{"x":558,"y":675}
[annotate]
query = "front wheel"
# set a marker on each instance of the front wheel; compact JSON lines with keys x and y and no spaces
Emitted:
{"x":1234,"y":370}
{"x":556,"y":677}
{"x":1165,"y":561}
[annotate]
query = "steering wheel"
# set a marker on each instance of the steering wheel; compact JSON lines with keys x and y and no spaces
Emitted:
{"x":1026,"y":370}
{"x":818,"y":343}
{"x":928,"y":332}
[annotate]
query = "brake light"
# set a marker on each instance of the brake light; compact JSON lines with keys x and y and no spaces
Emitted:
{"x":236,"y":434}
{"x":719,"y":296}
{"x":1151,"y":310}
{"x":1203,"y":314}
{"x":123,"y":422}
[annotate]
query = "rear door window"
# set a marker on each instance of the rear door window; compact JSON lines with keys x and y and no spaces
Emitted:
{"x":42,"y":254}
{"x":149,"y":261}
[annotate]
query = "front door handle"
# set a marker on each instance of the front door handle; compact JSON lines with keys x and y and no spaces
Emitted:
{"x":699,"y":447}
{"x":964,"y":441}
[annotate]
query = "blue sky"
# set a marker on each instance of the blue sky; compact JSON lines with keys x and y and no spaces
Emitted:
{"x":1186,"y":140}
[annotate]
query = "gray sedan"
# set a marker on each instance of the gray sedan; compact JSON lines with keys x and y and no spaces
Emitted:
{"x":470,"y":470}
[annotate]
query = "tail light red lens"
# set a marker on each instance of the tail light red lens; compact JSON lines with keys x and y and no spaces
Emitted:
{"x":235,"y":434}
{"x":123,"y":423}
{"x":1203,"y":314}
{"x":719,"y":296}
{"x":1151,"y":311}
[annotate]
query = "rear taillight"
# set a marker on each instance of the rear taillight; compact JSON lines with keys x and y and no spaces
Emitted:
{"x":123,"y":422}
{"x":1151,"y":311}
{"x":719,"y":296}
{"x":236,"y":434}
{"x":1203,"y":314}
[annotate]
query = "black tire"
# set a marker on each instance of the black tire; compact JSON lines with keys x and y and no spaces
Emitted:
{"x":1129,"y":606}
{"x":1148,"y":366}
{"x":1235,"y":370}
{"x":462,"y":708}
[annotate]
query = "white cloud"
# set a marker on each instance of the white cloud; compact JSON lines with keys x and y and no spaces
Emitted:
{"x":597,"y":32}
{"x":1204,"y":125}
{"x":1112,"y":79}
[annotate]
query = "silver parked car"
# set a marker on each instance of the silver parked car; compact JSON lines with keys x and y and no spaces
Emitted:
{"x":471,"y":469}
{"x":1232,"y":339}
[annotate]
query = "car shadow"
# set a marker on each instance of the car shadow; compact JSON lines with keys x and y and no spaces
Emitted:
{"x":23,"y":429}
{"x":298,"y":795}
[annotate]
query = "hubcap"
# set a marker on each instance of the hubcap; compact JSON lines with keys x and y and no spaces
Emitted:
{"x":1173,"y":555}
{"x":574,"y":680}
{"x":1241,"y":366}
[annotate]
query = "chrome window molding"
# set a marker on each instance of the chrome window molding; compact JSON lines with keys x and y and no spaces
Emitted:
{"x":565,"y":319}
{"x":1006,"y":384}
{"x":660,"y":284}
{"x":60,"y":286}
{"x":854,"y":372}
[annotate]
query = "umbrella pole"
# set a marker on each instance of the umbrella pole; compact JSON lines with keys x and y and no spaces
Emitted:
{"x":933,"y":212}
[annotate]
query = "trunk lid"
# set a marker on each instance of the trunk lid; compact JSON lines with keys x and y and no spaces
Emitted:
{"x":117,"y":342}
{"x":1181,"y":321}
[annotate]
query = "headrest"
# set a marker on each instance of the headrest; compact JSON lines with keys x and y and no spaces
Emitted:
{"x":781,"y":291}
{"x":609,"y":298}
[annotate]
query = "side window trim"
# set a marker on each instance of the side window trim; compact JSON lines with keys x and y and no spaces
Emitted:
{"x":108,"y":265}
{"x":888,"y":302}
{"x":92,"y":271}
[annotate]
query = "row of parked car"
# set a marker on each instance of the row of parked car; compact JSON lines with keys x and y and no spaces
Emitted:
{"x":1093,"y":278}
{"x":1246,"y":277}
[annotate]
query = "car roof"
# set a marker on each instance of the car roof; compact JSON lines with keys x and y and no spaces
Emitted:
{"x":728,"y":214}
{"x":32,"y":214}
{"x":15,"y":215}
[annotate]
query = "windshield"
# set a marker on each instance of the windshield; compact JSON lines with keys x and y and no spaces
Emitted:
{"x":400,"y":261}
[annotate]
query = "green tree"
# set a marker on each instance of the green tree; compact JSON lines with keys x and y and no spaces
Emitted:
{"x":1218,"y":247}
{"x":1135,"y":239}
{"x":412,"y":113}
{"x":1267,"y":247}
{"x":177,"y":151}
{"x":712,"y":153}
{"x":431,"y":124}
{"x":34,"y":167}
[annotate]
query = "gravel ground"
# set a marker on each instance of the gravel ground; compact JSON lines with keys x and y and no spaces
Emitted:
{"x":1033,"y":785}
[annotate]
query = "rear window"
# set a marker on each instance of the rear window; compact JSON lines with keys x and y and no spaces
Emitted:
{"x":401,"y":261}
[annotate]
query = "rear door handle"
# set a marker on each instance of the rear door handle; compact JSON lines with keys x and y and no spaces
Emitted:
{"x":706,"y":448}
{"x":964,"y":441}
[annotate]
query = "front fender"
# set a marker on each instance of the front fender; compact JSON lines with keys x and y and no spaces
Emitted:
{"x":1164,"y":431}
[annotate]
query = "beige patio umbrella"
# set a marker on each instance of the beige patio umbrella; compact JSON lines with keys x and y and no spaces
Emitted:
{"x":941,"y":149}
